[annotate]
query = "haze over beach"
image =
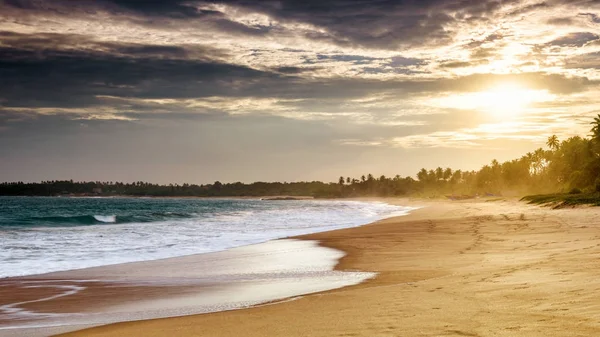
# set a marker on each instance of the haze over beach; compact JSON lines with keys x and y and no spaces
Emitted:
{"x":300,"y":168}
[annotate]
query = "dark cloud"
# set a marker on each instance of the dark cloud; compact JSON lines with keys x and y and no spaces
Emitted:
{"x":169,"y":8}
{"x":530,"y":8}
{"x":564,"y":21}
{"x":145,"y":50}
{"x":590,"y":16}
{"x":578,"y":39}
{"x":152,"y":14}
{"x":399,"y":61}
{"x":483,"y":53}
{"x":585,"y":61}
{"x":395,"y":62}
{"x":159,"y":8}
{"x":21,"y":4}
{"x":62,"y":78}
{"x":76,"y":71}
{"x":48,"y":44}
{"x":456,"y":64}
{"x":355,"y":59}
{"x":295,"y":70}
{"x":384,"y":24}
{"x":78,"y":79}
{"x":489,"y":38}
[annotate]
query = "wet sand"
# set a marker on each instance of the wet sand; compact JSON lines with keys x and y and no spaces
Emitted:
{"x":450,"y":269}
{"x":237,"y":278}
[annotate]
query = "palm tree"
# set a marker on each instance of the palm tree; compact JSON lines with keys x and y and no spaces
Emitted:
{"x":456,"y":176}
{"x":595,"y":141}
{"x":422,"y":175}
{"x":439,"y":173}
{"x":553,"y":142}
{"x":596,"y":128}
{"x":447,"y":173}
{"x":341,"y":181}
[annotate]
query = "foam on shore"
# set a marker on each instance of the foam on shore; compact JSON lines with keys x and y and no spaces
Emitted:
{"x":232,"y":279}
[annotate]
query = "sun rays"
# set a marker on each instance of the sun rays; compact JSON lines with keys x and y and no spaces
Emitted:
{"x":502,"y":100}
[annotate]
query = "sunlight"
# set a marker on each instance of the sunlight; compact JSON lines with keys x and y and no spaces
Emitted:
{"x":503,"y":99}
{"x":507,"y":99}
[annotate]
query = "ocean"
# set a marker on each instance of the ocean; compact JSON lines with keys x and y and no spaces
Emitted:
{"x":48,"y":234}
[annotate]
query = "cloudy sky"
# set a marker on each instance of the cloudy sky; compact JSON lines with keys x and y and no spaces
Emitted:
{"x":240,"y":90}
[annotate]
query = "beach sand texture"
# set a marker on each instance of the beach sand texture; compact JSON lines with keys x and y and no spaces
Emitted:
{"x":450,"y":269}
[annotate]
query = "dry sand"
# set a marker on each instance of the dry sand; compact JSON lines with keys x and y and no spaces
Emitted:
{"x":450,"y":269}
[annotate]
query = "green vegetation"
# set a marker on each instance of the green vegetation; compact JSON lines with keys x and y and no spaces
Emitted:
{"x":217,"y":189}
{"x":569,"y":170}
{"x":561,"y":200}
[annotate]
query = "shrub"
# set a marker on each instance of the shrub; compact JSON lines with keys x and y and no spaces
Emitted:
{"x":576,"y":190}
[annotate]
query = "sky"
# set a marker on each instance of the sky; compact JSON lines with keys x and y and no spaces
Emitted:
{"x":288,"y":90}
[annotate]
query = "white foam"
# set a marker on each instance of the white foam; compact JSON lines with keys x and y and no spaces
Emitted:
{"x":232,"y":279}
{"x":15,"y":310}
{"x":106,"y":218}
{"x":50,"y":249}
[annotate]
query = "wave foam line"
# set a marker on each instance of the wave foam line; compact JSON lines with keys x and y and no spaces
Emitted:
{"x":106,"y":218}
{"x":14,"y":309}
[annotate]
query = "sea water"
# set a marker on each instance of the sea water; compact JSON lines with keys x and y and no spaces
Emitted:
{"x":42,"y":234}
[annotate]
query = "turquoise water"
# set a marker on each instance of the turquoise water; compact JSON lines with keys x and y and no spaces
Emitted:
{"x":39,"y":235}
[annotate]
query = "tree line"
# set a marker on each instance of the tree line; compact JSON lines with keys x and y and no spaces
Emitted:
{"x":571,"y":165}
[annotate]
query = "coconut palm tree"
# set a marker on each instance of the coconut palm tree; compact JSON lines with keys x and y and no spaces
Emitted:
{"x":596,"y":128}
{"x":439,"y":173}
{"x":447,"y":173}
{"x":552,"y":142}
{"x":422,"y":175}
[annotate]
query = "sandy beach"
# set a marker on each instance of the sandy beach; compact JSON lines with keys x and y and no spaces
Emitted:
{"x":499,"y":268}
{"x":469,"y":268}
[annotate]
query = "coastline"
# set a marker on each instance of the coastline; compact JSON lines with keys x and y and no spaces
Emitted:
{"x":99,"y":290}
{"x":117,"y":196}
{"x":453,"y":268}
{"x":238,"y":278}
{"x":111,"y":231}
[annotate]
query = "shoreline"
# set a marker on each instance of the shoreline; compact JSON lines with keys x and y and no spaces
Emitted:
{"x":454,"y":268}
{"x":92,"y":284}
{"x":114,"y":229}
{"x":124,"y":196}
{"x":234,"y":279}
{"x":80,"y":276}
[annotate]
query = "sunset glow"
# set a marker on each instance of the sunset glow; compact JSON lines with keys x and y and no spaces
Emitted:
{"x":211,"y":86}
{"x":505,"y":100}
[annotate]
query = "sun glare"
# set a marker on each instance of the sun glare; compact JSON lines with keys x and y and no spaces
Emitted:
{"x":502,"y":100}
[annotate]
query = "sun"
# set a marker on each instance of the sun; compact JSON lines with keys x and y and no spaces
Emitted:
{"x":507,"y":99}
{"x":502,"y":100}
